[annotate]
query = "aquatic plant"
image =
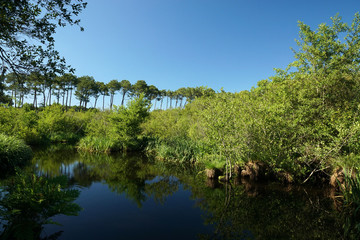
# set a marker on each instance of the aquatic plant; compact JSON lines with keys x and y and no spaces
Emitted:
{"x":176,"y":149}
{"x":97,"y":144}
{"x":28,"y":201}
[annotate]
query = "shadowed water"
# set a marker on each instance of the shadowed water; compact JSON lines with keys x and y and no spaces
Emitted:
{"x":133,"y":197}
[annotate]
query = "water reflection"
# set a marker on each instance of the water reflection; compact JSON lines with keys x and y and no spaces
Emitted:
{"x":241,"y":210}
{"x":27,"y":202}
{"x":269,"y":212}
{"x":134,"y":176}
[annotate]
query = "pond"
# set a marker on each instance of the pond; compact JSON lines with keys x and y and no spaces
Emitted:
{"x":133,"y":197}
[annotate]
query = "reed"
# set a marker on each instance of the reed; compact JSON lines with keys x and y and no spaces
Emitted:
{"x":13,"y":153}
{"x":97,"y":144}
{"x":176,"y":149}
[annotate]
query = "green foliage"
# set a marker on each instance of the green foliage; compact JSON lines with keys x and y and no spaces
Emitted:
{"x":60,"y":126}
{"x":25,"y":22}
{"x":127,"y":122}
{"x":116,"y":130}
{"x":52,"y":124}
{"x":167,"y":124}
{"x":21,"y":123}
{"x":29,"y":201}
{"x":13,"y":153}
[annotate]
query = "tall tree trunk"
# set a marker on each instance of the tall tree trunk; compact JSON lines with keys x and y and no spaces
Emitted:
{"x":103,"y":101}
{"x":155,"y":104}
{"x":35,"y":101}
{"x":63,"y":96}
{"x":50,"y":96}
{"x":95,"y":102}
{"x":123,"y":97}
{"x":58,"y":96}
{"x":70,"y":96}
{"x":44,"y":96}
{"x":21,"y":99}
{"x":15,"y":98}
{"x":161,"y":103}
{"x":67,"y":96}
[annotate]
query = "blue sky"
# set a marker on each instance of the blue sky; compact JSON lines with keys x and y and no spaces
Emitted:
{"x":186,"y":43}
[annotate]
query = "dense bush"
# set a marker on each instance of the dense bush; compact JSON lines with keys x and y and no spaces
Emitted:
{"x":58,"y":125}
{"x":118,"y":129}
{"x":22,"y":123}
{"x":49,"y":124}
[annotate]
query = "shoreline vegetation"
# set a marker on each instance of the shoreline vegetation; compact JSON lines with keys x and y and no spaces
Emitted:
{"x":301,"y":125}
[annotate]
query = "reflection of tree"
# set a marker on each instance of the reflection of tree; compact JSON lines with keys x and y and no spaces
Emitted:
{"x":82,"y":175}
{"x":129,"y":175}
{"x":240,"y":211}
{"x":272,"y":214}
{"x":27,"y":202}
{"x":162,"y":188}
{"x":55,"y":160}
{"x":124,"y":174}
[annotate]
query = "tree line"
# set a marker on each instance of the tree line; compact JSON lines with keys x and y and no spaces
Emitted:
{"x":43,"y":90}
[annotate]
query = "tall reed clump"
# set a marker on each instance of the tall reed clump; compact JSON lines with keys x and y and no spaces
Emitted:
{"x":175,"y":149}
{"x":13,"y":153}
{"x":351,"y":208}
{"x":97,"y":144}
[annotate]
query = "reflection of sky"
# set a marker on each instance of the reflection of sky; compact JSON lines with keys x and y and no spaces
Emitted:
{"x":62,"y":169}
{"x":160,"y":178}
{"x":108,"y":215}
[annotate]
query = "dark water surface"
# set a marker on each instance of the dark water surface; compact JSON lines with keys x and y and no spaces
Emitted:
{"x":132,"y":197}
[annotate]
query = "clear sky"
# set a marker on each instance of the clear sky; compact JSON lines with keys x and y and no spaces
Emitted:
{"x":187,"y":43}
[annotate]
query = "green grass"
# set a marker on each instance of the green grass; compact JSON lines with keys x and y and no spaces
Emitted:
{"x":13,"y":153}
{"x":97,"y":144}
{"x":177,"y":150}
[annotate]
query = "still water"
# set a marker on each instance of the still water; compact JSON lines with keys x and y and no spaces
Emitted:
{"x":133,"y":197}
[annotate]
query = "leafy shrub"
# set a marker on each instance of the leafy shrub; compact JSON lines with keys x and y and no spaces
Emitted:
{"x":116,"y":130}
{"x":167,"y":124}
{"x":22,"y":123}
{"x":60,"y":126}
